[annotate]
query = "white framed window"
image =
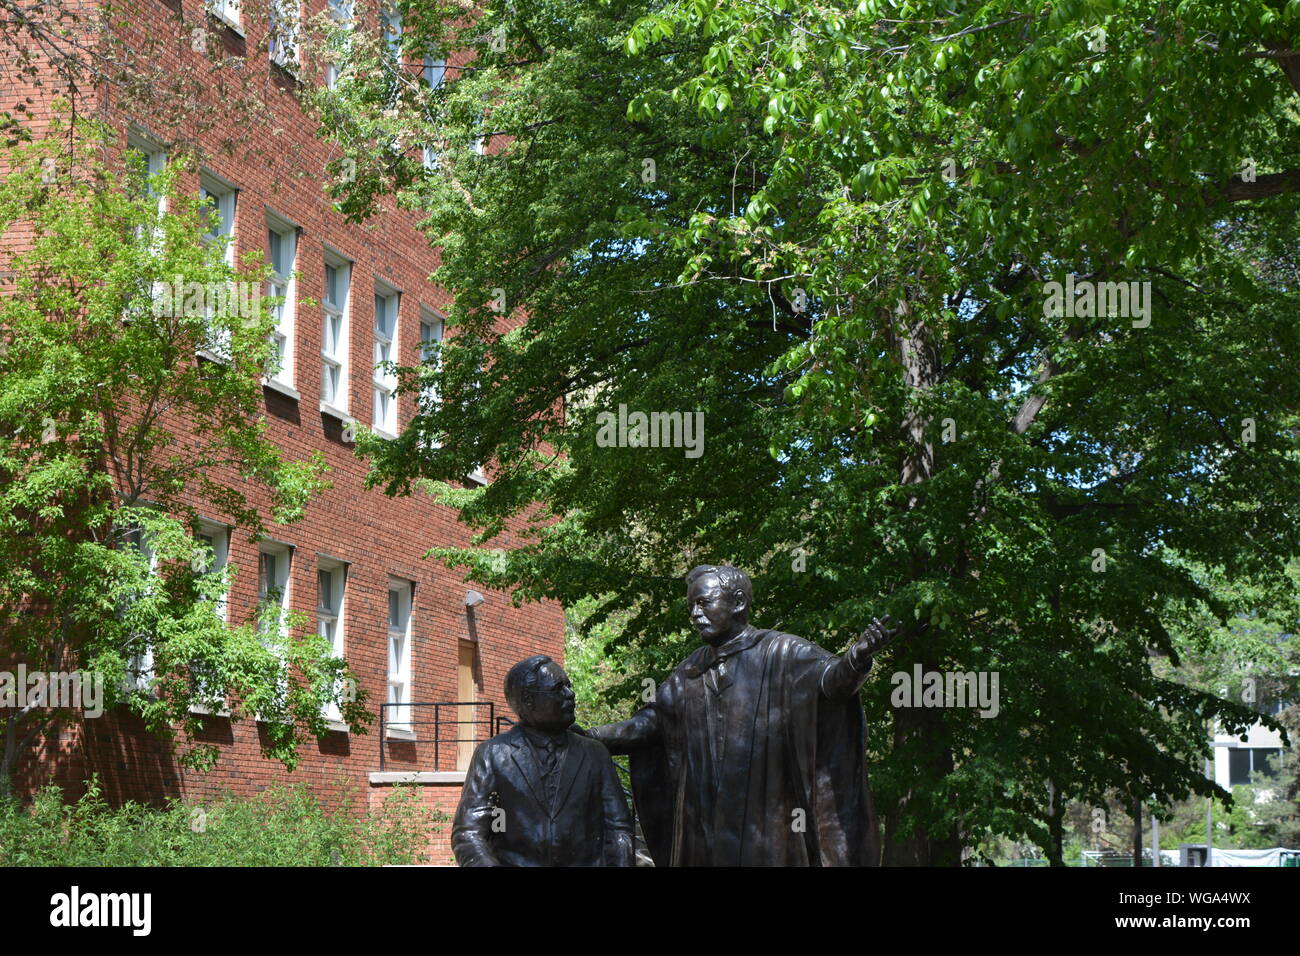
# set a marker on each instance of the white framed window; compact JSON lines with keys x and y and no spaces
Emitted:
{"x":435,"y":71}
{"x":282,"y":250}
{"x":273,"y":561}
{"x":343,"y":13}
{"x":390,"y":19}
{"x":385,"y":379}
{"x":145,"y":158}
{"x":227,"y":10}
{"x":219,"y":216}
{"x":273,"y":564}
{"x":399,"y":656}
{"x":216,"y":541}
{"x":334,"y":341}
{"x":139,"y":665}
{"x":331,"y":591}
{"x":285,"y":17}
{"x":431,"y":331}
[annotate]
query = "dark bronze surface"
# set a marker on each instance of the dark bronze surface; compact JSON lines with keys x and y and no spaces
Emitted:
{"x":752,"y":752}
{"x":538,"y":795}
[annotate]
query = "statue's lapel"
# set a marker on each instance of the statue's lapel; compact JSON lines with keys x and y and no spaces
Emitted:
{"x":572,"y":760}
{"x":528,"y":768}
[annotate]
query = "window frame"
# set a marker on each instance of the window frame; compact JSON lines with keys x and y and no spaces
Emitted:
{"x":284,"y":587}
{"x":284,"y":50}
{"x":338,"y":404}
{"x":227,"y":11}
{"x":385,"y":349}
{"x":285,"y":333}
{"x":335,"y":614}
{"x":218,"y":535}
{"x":225,"y":197}
{"x":398,"y":672}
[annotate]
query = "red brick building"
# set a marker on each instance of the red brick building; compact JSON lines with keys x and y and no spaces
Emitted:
{"x":356,"y":294}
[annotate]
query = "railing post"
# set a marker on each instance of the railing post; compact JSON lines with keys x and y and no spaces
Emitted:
{"x":382,"y":735}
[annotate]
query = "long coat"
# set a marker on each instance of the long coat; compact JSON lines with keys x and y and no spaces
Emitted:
{"x":505,"y":819}
{"x":754,"y":766}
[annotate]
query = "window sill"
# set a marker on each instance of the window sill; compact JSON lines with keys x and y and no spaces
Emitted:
{"x":282,"y":388}
{"x":212,"y":357}
{"x":394,"y":734}
{"x":232,"y":24}
{"x":383,"y":433}
{"x":333,"y":412}
{"x":200,"y":709}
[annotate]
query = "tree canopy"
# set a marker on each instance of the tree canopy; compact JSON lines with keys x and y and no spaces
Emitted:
{"x":130,"y":393}
{"x":852,"y":236}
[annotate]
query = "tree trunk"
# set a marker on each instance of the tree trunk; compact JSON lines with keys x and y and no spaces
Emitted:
{"x":1137,"y":831}
{"x":1055,"y":828}
{"x":923,"y":846}
{"x":919,"y":358}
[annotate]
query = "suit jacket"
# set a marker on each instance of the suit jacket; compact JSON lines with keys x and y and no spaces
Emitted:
{"x":588,"y":824}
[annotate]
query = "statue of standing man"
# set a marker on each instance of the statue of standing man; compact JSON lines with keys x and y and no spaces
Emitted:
{"x":752,"y":752}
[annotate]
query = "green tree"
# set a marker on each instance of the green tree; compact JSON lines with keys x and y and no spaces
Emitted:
{"x":114,"y":436}
{"x":832,"y":230}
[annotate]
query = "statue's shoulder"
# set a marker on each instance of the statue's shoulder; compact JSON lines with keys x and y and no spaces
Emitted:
{"x":791,"y":644}
{"x":503,"y":741}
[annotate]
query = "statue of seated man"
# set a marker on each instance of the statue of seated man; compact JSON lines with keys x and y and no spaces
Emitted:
{"x":539,"y":795}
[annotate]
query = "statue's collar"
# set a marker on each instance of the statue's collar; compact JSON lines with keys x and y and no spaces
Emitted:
{"x":709,"y":655}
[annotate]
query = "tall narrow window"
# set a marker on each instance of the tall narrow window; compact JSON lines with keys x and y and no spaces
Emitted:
{"x":204,"y":684}
{"x":282,"y":248}
{"x":144,"y":160}
{"x":334,"y":341}
{"x":227,"y":10}
{"x":331,"y":585}
{"x":390,"y":19}
{"x":342,"y":13}
{"x":399,"y":655}
{"x":385,"y":379}
{"x":273,"y":561}
{"x":219,"y":216}
{"x":431,"y":328}
{"x":139,"y":665}
{"x":282,"y":40}
{"x":435,"y":71}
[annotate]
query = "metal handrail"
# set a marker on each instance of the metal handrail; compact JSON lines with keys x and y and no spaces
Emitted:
{"x":437,"y":722}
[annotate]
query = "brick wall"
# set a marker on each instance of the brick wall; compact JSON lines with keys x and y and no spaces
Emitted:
{"x":279,"y":171}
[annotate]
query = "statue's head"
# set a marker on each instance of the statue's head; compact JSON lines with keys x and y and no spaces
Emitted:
{"x":539,"y":691}
{"x":718,"y":597}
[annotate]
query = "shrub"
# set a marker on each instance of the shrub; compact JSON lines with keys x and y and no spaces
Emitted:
{"x":282,"y":826}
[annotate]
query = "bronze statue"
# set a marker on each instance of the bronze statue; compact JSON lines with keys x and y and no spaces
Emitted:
{"x":538,"y":795}
{"x":752,"y":752}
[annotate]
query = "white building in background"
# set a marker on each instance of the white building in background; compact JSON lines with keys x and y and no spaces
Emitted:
{"x":1237,"y":762}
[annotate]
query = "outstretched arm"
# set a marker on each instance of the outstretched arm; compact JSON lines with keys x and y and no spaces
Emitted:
{"x":845,"y":674}
{"x":638,"y":731}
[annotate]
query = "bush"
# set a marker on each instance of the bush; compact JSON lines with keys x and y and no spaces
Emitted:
{"x":279,"y":827}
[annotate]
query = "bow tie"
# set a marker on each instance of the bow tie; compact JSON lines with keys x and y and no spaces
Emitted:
{"x":711,"y":659}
